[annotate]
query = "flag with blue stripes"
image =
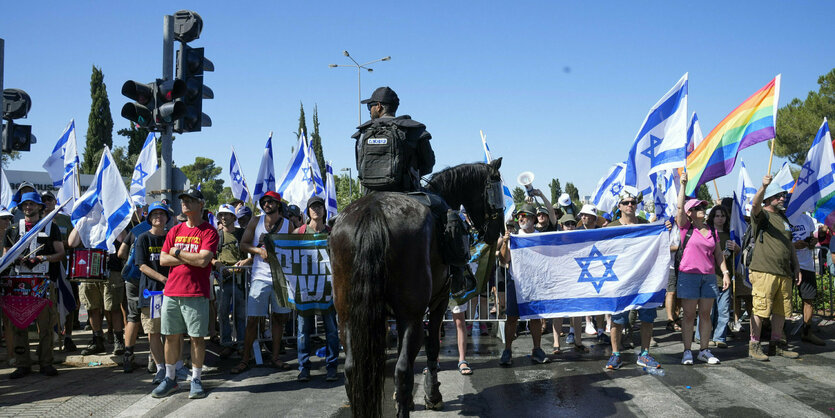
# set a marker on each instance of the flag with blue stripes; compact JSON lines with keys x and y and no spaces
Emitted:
{"x":784,"y":178}
{"x":607,"y":193}
{"x":146,"y":165}
{"x":743,"y":195}
{"x":661,"y":143}
{"x":330,"y":192}
{"x":266,"y":173}
{"x":694,"y":133}
{"x":6,"y":193}
{"x":509,"y":203}
{"x":590,"y":272}
{"x":238,"y":183}
{"x":62,"y":166}
{"x":105,"y":209}
{"x":301,"y":271}
{"x":816,"y":175}
{"x":665,"y":193}
{"x":25,"y":241}
{"x":299,"y":181}
{"x":54,"y":164}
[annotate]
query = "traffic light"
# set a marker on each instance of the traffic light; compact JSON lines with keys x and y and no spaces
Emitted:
{"x":191,"y":64}
{"x":16,"y":105}
{"x":156,"y":103}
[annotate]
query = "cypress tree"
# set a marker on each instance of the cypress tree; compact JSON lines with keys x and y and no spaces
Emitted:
{"x":317,"y":143}
{"x":99,"y":124}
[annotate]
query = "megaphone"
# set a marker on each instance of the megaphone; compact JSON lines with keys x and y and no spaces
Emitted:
{"x":526,"y":179}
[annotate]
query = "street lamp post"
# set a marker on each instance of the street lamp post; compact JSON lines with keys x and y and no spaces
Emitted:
{"x":350,"y":183}
{"x":359,"y":68}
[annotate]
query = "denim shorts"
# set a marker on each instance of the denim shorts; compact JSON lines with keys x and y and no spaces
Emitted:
{"x":261,"y":298}
{"x":645,"y":315}
{"x":696,"y":286}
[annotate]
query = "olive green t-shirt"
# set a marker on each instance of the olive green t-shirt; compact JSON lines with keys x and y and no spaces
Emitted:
{"x":774,"y":254}
{"x":230,"y":253}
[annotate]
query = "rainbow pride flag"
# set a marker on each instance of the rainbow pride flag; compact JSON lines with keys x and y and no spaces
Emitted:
{"x":751,"y":122}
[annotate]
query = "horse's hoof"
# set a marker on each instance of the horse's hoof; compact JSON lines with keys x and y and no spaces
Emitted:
{"x":434,"y":406}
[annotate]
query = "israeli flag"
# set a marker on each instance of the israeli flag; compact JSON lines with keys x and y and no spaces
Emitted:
{"x":266,"y":173}
{"x":661,"y":143}
{"x":509,"y":203}
{"x":816,"y":176}
{"x":607,"y":193}
{"x":26,"y":240}
{"x":665,"y":194}
{"x":297,"y":185}
{"x":694,"y":133}
{"x":105,"y":209}
{"x":313,"y":166}
{"x":146,"y":164}
{"x":156,"y":302}
{"x":6,"y":193}
{"x":590,"y":272}
{"x":62,"y":166}
{"x":330,"y":192}
{"x":238,"y":183}
{"x":784,"y":178}
{"x":54,"y":164}
{"x":743,"y":195}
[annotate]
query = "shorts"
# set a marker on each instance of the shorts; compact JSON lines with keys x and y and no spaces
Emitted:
{"x":511,"y":307}
{"x":261,"y":298}
{"x":808,"y":285}
{"x":132,"y":294}
{"x":645,"y":315}
{"x":103,"y":295}
{"x":771,"y":294}
{"x":696,"y":286}
{"x":150,"y":325}
{"x":460,"y":308}
{"x":671,"y":281}
{"x":185,"y":315}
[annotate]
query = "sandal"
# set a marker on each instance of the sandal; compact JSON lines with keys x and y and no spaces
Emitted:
{"x":466,"y":370}
{"x":278,"y":364}
{"x":556,"y":351}
{"x":240,"y":368}
{"x":581,"y":348}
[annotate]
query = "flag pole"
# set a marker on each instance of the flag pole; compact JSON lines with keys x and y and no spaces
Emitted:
{"x":771,"y":157}
{"x":715,"y":187}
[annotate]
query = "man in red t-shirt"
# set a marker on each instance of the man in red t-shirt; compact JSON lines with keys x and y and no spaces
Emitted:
{"x":188,"y":250}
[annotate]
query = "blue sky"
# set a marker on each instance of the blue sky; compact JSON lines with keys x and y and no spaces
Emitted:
{"x":559,"y":89}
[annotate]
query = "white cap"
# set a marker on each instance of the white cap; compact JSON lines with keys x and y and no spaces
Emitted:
{"x":4,"y":212}
{"x":589,"y":209}
{"x":564,"y":200}
{"x":226,"y":208}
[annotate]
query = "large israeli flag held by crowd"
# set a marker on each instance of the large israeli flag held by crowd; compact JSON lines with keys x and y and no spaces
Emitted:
{"x":590,"y":272}
{"x":105,"y":209}
{"x":661,"y":143}
{"x":266,"y":173}
{"x":238,"y":182}
{"x":509,"y":203}
{"x":607,"y":193}
{"x":817,"y":175}
{"x":298,"y":184}
{"x":146,"y":164}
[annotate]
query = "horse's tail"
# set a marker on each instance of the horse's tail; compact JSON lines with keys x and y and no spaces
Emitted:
{"x":367,"y":321}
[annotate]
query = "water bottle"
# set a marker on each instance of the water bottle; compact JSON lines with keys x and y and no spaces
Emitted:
{"x":654,"y":371}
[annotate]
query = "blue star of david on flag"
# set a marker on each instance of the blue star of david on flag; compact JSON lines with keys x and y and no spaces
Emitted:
{"x":616,"y":189}
{"x":805,"y":172}
{"x":140,"y":180}
{"x":654,"y":142}
{"x":585,"y":262}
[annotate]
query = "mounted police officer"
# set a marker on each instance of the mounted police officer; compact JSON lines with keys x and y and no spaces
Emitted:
{"x":393,"y":152}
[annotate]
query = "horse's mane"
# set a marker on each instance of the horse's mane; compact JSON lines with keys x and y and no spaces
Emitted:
{"x":451,"y":181}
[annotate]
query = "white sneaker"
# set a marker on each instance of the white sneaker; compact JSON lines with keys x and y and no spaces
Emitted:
{"x":736,"y":326}
{"x":687,"y":358}
{"x":590,"y":328}
{"x":707,"y":357}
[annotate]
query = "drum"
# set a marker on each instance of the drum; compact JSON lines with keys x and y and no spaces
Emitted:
{"x":88,"y":265}
{"x":24,"y":285}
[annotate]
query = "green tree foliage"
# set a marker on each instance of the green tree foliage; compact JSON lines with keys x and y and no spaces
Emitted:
{"x":136,"y":139}
{"x":573,"y":193}
{"x":123,"y":162}
{"x":518,"y":195}
{"x":8,"y":157}
{"x":317,"y":143}
{"x":302,"y":122}
{"x":704,"y":194}
{"x":99,"y":124}
{"x":205,"y":173}
{"x":556,"y":190}
{"x":799,"y":121}
{"x":347,"y":190}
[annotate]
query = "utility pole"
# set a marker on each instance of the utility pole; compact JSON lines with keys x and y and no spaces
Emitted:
{"x":167,"y":74}
{"x":2,"y":105}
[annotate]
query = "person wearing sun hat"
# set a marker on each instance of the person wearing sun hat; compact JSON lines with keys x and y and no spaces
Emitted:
{"x":230,"y":255}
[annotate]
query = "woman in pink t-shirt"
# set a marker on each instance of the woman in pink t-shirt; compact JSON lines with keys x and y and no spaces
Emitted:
{"x":696,"y":285}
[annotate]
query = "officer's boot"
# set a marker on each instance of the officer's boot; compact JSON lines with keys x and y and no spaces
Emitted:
{"x":96,"y":345}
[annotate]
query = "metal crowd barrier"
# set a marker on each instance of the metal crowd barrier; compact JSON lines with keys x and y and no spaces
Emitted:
{"x":825,"y":302}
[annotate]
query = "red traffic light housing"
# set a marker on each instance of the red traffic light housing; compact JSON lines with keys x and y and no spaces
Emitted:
{"x":155,"y":103}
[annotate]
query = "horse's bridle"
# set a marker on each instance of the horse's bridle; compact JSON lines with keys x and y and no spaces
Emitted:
{"x":494,"y":202}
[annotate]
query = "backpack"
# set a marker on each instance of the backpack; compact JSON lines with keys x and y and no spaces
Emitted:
{"x":384,"y":155}
{"x":680,"y":250}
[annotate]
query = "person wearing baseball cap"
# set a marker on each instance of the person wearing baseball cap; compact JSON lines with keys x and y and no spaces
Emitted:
{"x":261,"y":300}
{"x":188,"y":250}
{"x":774,"y":266}
{"x":244,"y":214}
{"x":374,"y":150}
{"x":700,"y":250}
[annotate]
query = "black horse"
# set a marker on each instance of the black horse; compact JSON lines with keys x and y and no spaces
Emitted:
{"x":385,"y":260}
